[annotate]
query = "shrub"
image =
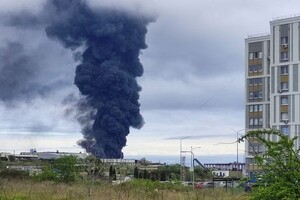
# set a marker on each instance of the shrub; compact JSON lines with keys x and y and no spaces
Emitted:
{"x":14,"y":174}
{"x":280,"y":165}
{"x":47,"y":175}
{"x":66,"y":168}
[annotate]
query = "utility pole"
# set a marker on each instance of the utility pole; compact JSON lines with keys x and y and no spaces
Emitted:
{"x":193,"y":164}
{"x":181,"y":160}
{"x":237,"y":150}
{"x":237,"y":146}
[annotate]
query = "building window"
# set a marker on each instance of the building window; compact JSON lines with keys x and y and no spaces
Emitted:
{"x":250,"y":160}
{"x":255,"y":108}
{"x":255,"y":122}
{"x":260,"y":121}
{"x":284,"y":100}
{"x":260,"y":108}
{"x":251,"y":69}
{"x":284,"y":116}
{"x":284,"y":70}
{"x":284,"y":56}
{"x":257,"y":81}
{"x":251,"y":122}
{"x":285,"y":129}
{"x":284,"y":40}
{"x":253,"y":148}
{"x":255,"y":55}
{"x":251,"y":56}
{"x":259,"y":68}
{"x":251,"y":108}
{"x":255,"y":68}
{"x":255,"y":95}
{"x":250,"y":95}
{"x":284,"y":86}
{"x":251,"y":81}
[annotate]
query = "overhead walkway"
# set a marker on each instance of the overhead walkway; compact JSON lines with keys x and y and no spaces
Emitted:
{"x":199,"y":163}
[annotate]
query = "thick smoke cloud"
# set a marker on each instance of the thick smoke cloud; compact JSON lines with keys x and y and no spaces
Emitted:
{"x":20,"y":74}
{"x":30,"y":63}
{"x":106,"y":76}
{"x":17,"y":70}
{"x":25,"y":75}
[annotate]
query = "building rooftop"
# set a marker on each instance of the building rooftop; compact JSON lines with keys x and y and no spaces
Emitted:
{"x":258,"y":35}
{"x":285,"y":19}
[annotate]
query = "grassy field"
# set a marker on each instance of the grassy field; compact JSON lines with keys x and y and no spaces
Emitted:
{"x":135,"y":190}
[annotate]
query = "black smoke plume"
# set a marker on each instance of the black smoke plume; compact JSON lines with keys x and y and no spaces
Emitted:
{"x":106,"y":76}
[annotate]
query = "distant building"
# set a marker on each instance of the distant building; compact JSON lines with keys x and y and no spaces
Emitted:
{"x":31,"y":169}
{"x":34,"y":155}
{"x":225,"y":166}
{"x":31,"y":152}
{"x":272,"y":84}
{"x":111,"y":161}
{"x":220,"y":173}
{"x":57,"y":154}
{"x":26,"y":157}
{"x":226,"y":169}
{"x":4,"y":155}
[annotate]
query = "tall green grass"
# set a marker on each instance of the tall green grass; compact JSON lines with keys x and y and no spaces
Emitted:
{"x":133,"y":190}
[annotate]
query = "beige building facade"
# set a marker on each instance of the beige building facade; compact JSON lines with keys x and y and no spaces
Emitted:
{"x":272,"y":84}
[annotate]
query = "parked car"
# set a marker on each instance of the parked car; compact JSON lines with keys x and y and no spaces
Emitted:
{"x":199,"y":185}
{"x":206,"y":184}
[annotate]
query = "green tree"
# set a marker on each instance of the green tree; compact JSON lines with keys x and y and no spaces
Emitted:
{"x":202,"y":173}
{"x":145,"y":174}
{"x":136,"y":173}
{"x":162,"y":175}
{"x":112,"y":173}
{"x":66,"y":168}
{"x":11,"y":158}
{"x":94,"y":167}
{"x":153,"y":175}
{"x":4,"y":159}
{"x":280,"y":165}
{"x":47,"y":174}
{"x":170,"y":172}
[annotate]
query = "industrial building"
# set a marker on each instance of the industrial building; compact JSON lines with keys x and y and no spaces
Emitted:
{"x":226,"y":169}
{"x":47,"y":155}
{"x":272,"y":84}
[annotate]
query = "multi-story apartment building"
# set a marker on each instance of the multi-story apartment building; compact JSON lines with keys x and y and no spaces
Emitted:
{"x":272,"y":84}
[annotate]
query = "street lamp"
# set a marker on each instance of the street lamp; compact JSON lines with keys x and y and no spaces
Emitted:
{"x":237,"y":145}
{"x":192,"y":162}
{"x":181,"y":171}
